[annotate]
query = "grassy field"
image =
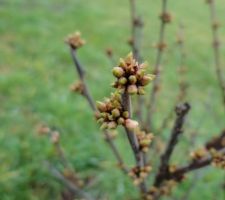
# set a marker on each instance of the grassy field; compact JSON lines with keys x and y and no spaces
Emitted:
{"x":36,"y":71}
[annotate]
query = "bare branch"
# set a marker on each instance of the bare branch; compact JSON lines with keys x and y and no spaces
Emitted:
{"x":181,"y":112}
{"x":165,"y":18}
{"x":216,"y":47}
{"x":87,"y":95}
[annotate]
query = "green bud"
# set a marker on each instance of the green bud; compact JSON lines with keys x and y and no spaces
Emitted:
{"x":112,"y":125}
{"x":111,"y":117}
{"x":115,"y":112}
{"x":141,"y":90}
{"x":132,"y":89}
{"x":121,"y":121}
{"x":100,"y":121}
{"x":122,"y":80}
{"x":132,"y":79}
{"x":104,"y":126}
{"x":126,"y":114}
{"x":118,"y":72}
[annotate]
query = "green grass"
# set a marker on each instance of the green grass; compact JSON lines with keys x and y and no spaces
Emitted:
{"x":36,"y":70}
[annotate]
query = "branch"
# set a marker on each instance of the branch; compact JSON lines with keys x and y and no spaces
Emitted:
{"x":216,"y":47}
{"x":165,"y":18}
{"x":87,"y":95}
{"x":179,"y":173}
{"x":139,"y":156}
{"x":181,"y":112}
{"x":73,"y":188}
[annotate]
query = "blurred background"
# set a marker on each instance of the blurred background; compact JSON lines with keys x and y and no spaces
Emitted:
{"x":36,"y":71}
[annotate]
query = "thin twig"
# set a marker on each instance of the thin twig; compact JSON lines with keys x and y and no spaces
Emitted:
{"x":161,"y":46}
{"x":89,"y":98}
{"x":181,"y":112}
{"x":216,"y":47}
{"x":182,"y":93}
{"x":70,"y":185}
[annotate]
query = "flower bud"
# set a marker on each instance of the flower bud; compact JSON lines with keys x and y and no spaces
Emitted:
{"x":147,"y":79}
{"x":131,"y":124}
{"x":132,"y":89}
{"x":141,"y":90}
{"x":122,"y":80}
{"x":101,"y":106}
{"x":120,"y":121}
{"x":55,"y":137}
{"x":125,"y":114}
{"x":122,"y":63}
{"x":115,"y":112}
{"x":132,"y":79}
{"x":118,"y":72}
{"x":104,"y":126}
{"x":112,"y":125}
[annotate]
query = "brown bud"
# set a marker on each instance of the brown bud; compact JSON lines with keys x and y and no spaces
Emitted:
{"x":101,"y":106}
{"x":147,"y":79}
{"x":55,"y":137}
{"x":132,"y":89}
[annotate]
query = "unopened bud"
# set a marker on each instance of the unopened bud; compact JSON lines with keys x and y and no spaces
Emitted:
{"x":131,"y":124}
{"x":132,"y":89}
{"x":132,"y":79}
{"x":101,"y":106}
{"x":115,"y":112}
{"x":122,"y":80}
{"x":120,"y":121}
{"x":147,"y":79}
{"x":112,"y":125}
{"x":118,"y":72}
{"x":125,"y":114}
{"x":104,"y":126}
{"x":141,"y":90}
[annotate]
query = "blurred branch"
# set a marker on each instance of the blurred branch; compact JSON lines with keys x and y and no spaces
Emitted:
{"x":182,"y":81}
{"x":165,"y":18}
{"x":216,"y":47}
{"x":70,"y":185}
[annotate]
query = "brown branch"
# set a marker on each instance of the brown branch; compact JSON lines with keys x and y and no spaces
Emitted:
{"x":87,"y":95}
{"x":70,"y":185}
{"x":179,"y":173}
{"x":181,"y":112}
{"x":139,"y":156}
{"x":157,"y":68}
{"x":216,"y":47}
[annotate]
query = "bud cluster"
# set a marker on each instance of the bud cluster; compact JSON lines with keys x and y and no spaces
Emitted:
{"x":131,"y":76}
{"x":77,"y":87}
{"x":218,"y":159}
{"x":166,"y":17}
{"x":139,"y":174}
{"x":111,"y":113}
{"x":167,"y":187}
{"x":198,"y":154}
{"x":75,"y":41}
{"x":144,"y":140}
